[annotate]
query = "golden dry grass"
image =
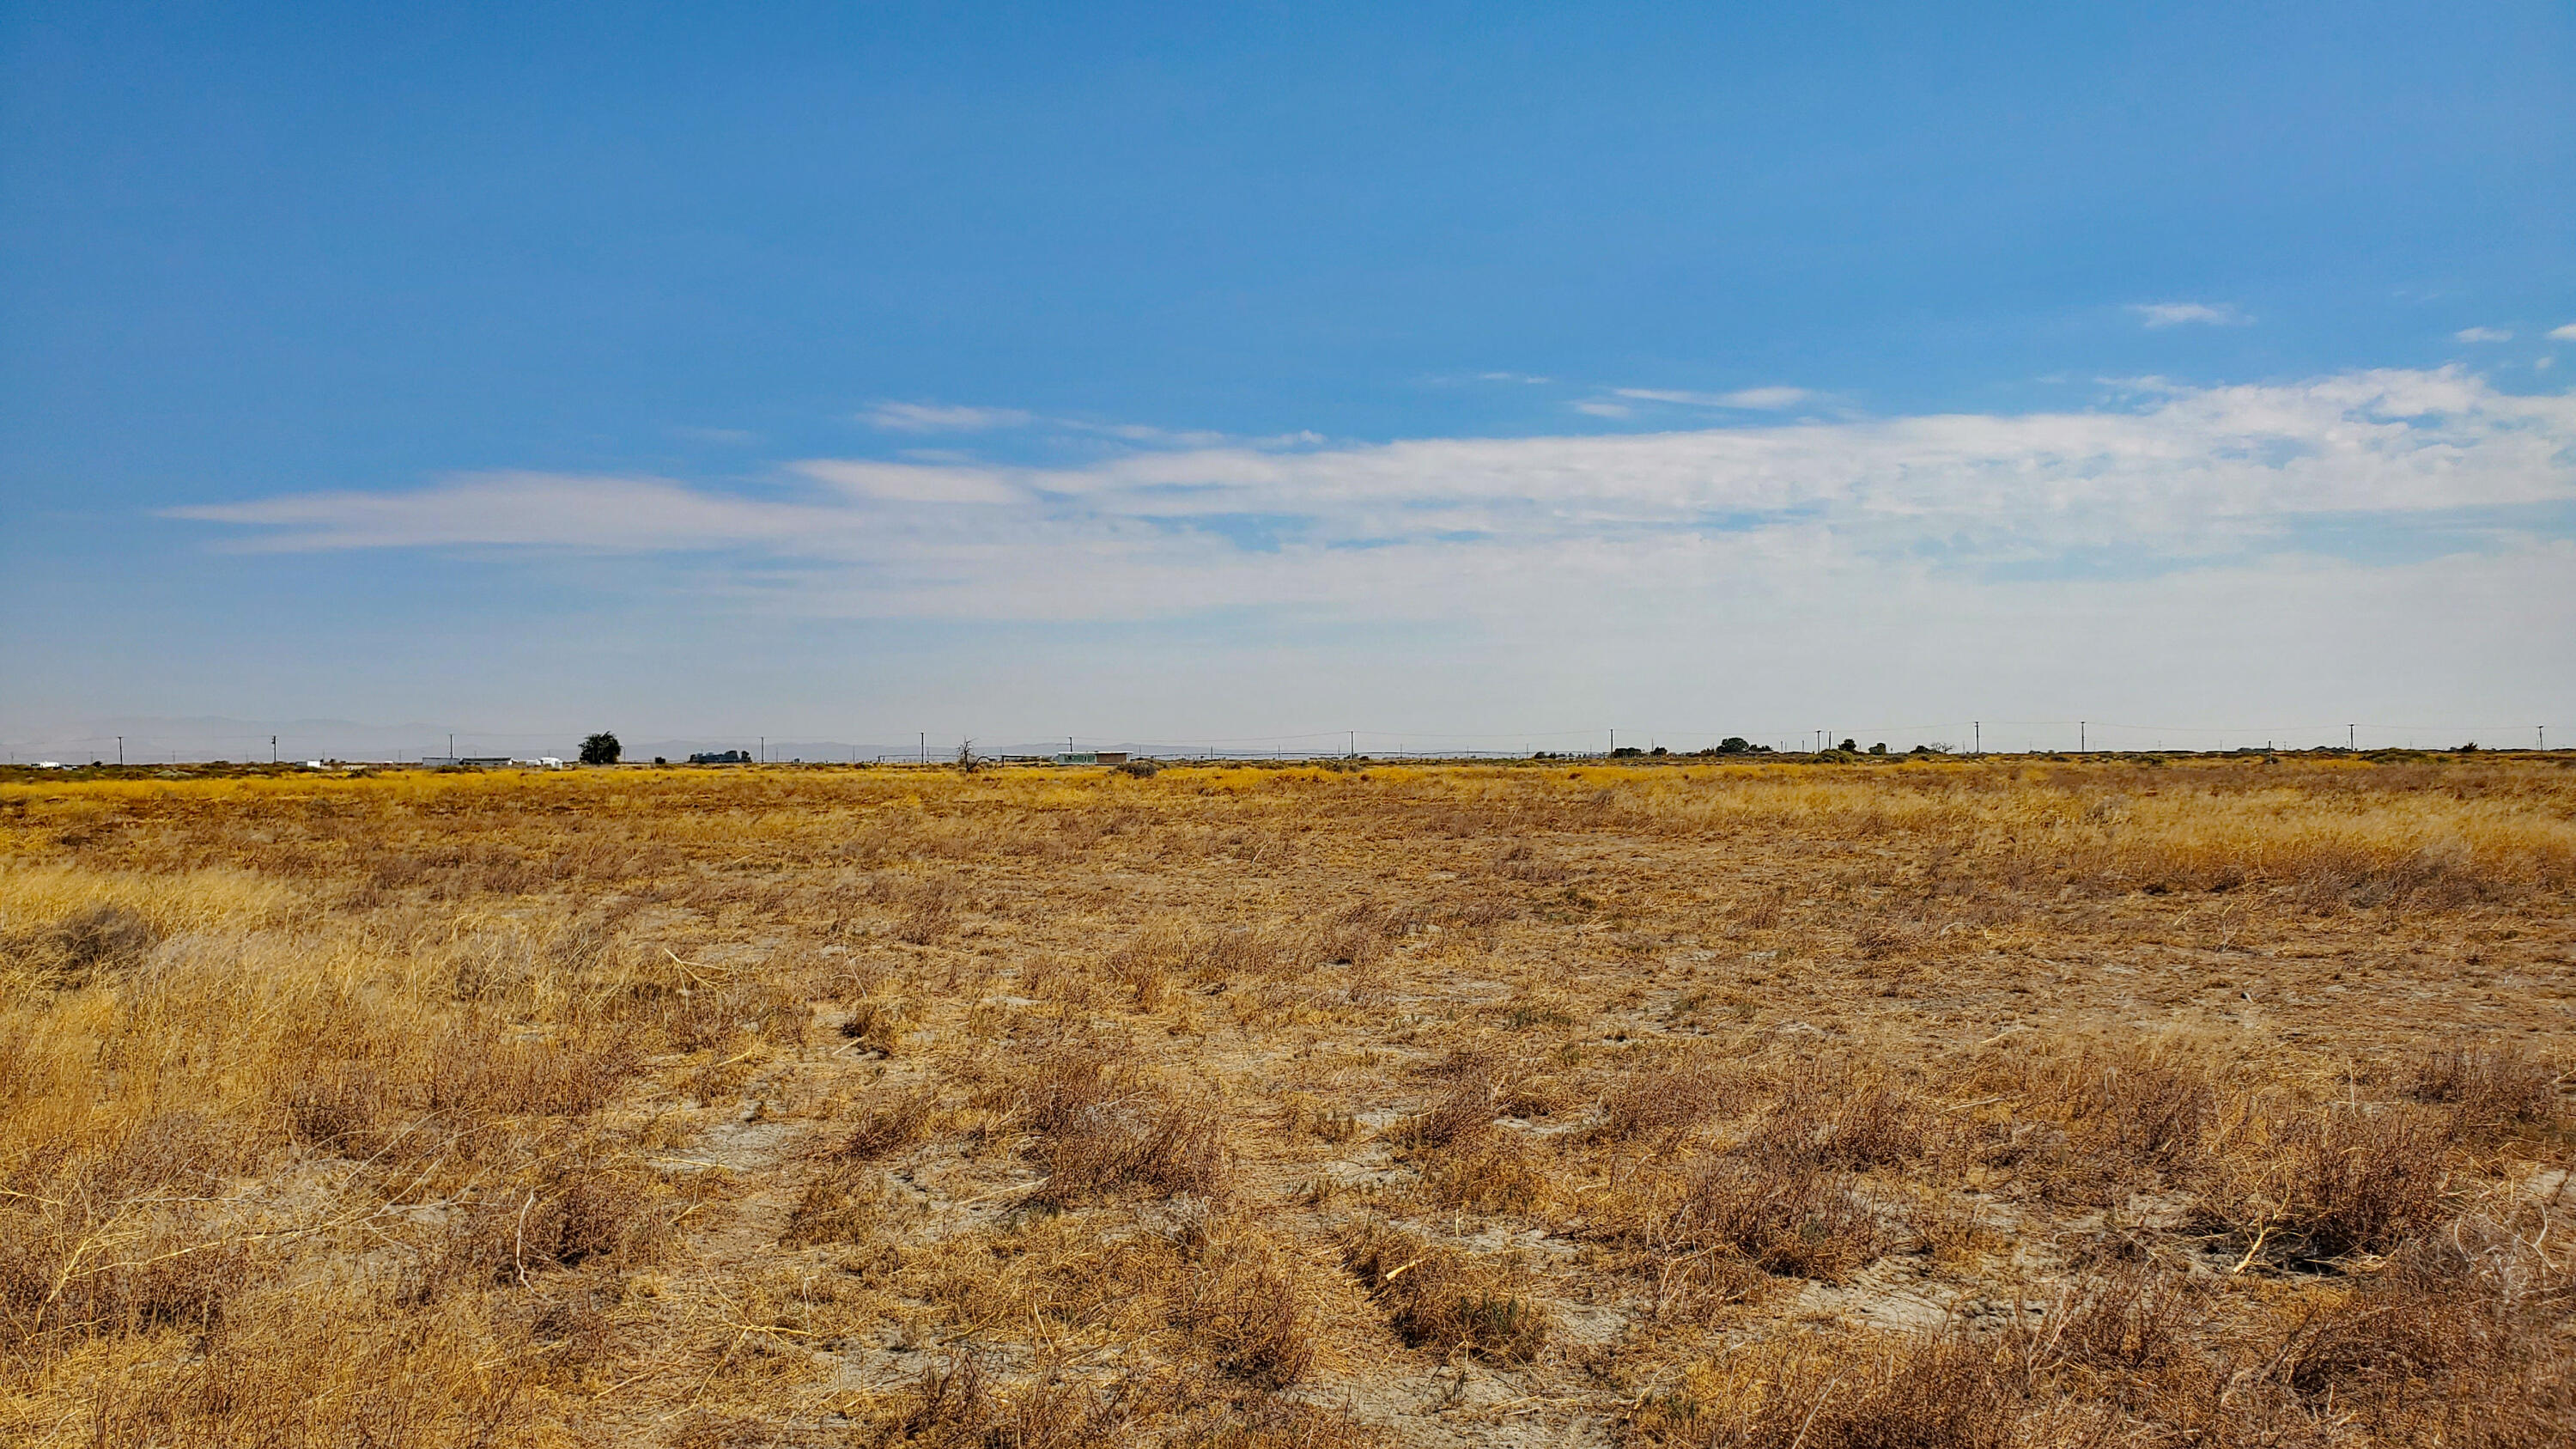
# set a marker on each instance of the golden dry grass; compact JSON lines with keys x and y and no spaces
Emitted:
{"x":1917,"y":1103}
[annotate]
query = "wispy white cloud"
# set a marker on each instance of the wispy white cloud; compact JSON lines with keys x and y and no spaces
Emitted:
{"x":1751,"y":399}
{"x":913,"y":482}
{"x":2175,"y":314}
{"x":1444,"y":525}
{"x":1602,"y":407}
{"x":2482,"y":334}
{"x":2564,"y":334}
{"x":544,"y":509}
{"x":905,"y":417}
{"x":1519,"y":377}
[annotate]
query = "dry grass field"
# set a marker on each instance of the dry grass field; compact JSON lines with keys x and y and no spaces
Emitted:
{"x":1910,"y":1103}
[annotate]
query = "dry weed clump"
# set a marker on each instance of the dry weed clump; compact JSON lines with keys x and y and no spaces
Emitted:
{"x":2325,"y":1183}
{"x":890,"y":1122}
{"x":2491,"y":1091}
{"x":1785,"y":1217}
{"x":1438,"y":1297}
{"x":1828,"y":1118}
{"x":1239,"y":1299}
{"x":1098,"y":1128}
{"x":99,"y":940}
{"x":1663,"y":1101}
{"x":956,"y":1405}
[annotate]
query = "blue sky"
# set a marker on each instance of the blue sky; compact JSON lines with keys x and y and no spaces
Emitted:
{"x":1231,"y":372}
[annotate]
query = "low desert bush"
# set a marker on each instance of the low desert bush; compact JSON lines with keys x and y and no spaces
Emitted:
{"x":1783,"y":1217}
{"x":841,"y":1203}
{"x":1827,"y":1118}
{"x":956,"y":1405}
{"x":1437,"y":1297}
{"x":2490,"y":1091}
{"x":2324,"y":1183}
{"x":1097,"y":1129}
{"x":1238,"y":1299}
{"x":1664,"y":1100}
{"x":99,"y":941}
{"x":890,"y":1122}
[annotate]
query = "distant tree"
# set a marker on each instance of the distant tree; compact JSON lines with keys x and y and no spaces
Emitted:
{"x":601,"y":749}
{"x":1850,"y":748}
{"x":1879,"y":749}
{"x":1733,"y":745}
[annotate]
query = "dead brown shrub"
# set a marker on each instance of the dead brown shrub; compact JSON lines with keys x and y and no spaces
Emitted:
{"x":890,"y":1122}
{"x":1436,"y":1297}
{"x":840,"y":1204}
{"x":1826,"y":1118}
{"x":956,"y":1405}
{"x":1785,"y":1218}
{"x":2453,"y":1342}
{"x":101,"y":941}
{"x":1099,"y":1129}
{"x":1239,"y":1300}
{"x":2329,"y":1182}
{"x":1666,"y":1100}
{"x":2491,"y":1091}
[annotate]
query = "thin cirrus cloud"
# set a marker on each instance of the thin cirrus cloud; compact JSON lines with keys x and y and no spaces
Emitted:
{"x":907,"y":417}
{"x":2178,"y":314}
{"x":2178,"y":477}
{"x":1751,"y":399}
{"x":2563,"y":334}
{"x":2482,"y":334}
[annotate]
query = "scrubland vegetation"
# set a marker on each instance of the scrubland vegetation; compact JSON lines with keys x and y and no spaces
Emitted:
{"x":1925,"y":1103}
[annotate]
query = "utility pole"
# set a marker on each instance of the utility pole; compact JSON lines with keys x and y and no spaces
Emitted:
{"x":120,"y":752}
{"x":2351,"y":737}
{"x":1614,"y":739}
{"x":451,"y":748}
{"x":272,"y":749}
{"x":1355,"y":744}
{"x":764,"y":748}
{"x":925,"y":747}
{"x":1977,"y":732}
{"x":2079,"y":737}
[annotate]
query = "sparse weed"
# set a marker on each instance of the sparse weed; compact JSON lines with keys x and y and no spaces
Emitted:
{"x":690,"y":1107}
